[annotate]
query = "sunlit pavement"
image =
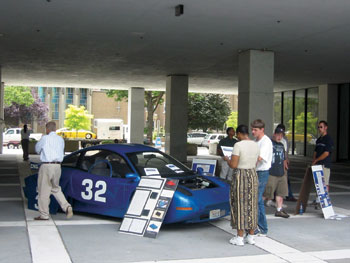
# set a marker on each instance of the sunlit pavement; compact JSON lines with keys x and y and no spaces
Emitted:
{"x":90,"y":238}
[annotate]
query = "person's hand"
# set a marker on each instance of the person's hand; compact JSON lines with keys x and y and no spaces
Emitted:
{"x":226,"y":158}
{"x":313,"y":162}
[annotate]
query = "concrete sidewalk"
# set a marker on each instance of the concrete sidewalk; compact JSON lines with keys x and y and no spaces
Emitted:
{"x":91,"y":238}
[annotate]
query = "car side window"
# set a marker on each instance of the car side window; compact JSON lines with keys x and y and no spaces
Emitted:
{"x":71,"y":161}
{"x":104,"y":163}
{"x":10,"y":132}
{"x":213,"y":137}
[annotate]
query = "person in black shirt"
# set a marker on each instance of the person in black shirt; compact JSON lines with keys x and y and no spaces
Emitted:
{"x":323,"y":150}
{"x":226,"y":171}
{"x":277,"y":181}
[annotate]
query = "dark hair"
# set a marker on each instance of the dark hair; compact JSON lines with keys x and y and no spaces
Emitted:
{"x":324,"y":123}
{"x":242,"y":129}
{"x":228,"y":130}
{"x":258,"y":124}
{"x":25,"y":128}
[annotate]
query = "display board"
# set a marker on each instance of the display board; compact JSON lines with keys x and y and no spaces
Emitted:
{"x":227,"y":151}
{"x":149,"y":206}
{"x":208,"y":166}
{"x":322,"y":193}
{"x":304,"y":191}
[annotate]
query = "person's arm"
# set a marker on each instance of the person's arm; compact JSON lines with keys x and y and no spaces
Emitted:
{"x":323,"y":156}
{"x":233,"y":163}
{"x":39,"y":145}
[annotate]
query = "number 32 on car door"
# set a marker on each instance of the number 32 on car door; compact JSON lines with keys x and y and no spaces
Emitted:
{"x":94,"y":191}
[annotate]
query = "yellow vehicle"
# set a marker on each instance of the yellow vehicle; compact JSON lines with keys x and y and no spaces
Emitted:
{"x":73,"y":134}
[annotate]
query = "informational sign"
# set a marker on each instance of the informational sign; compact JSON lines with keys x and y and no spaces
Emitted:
{"x":158,"y":143}
{"x":149,"y":206}
{"x":227,"y":151}
{"x":208,"y":166}
{"x":321,"y":190}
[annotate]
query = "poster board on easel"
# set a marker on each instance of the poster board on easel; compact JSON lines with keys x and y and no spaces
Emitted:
{"x":304,"y":191}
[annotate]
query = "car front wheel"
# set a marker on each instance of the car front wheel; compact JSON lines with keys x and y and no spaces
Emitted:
{"x":88,"y":136}
{"x":11,"y":146}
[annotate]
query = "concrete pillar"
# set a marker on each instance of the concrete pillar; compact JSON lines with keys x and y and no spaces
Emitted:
{"x":136,"y":118}
{"x":328,"y":111}
{"x":76,"y":100}
{"x":89,"y":101}
{"x":176,"y":116}
{"x":61,"y":107}
{"x":255,"y":88}
{"x":2,"y":121}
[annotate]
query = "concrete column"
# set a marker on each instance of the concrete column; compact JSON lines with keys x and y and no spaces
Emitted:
{"x":328,"y":111}
{"x":48,"y":92}
{"x":76,"y":93}
{"x":61,"y":107}
{"x":2,"y":121}
{"x":89,"y":101}
{"x":255,"y":88}
{"x":176,"y":116}
{"x":136,"y":118}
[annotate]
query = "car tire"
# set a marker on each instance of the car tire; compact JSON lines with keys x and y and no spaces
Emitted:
{"x":88,"y":136}
{"x":11,"y":146}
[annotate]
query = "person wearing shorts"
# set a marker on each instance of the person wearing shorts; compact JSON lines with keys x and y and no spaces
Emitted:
{"x":277,"y":182}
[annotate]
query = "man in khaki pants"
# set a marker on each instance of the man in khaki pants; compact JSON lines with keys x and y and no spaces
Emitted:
{"x":51,"y":150}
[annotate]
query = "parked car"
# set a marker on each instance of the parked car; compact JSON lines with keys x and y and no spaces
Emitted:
{"x":311,"y":139}
{"x":102,"y":180}
{"x":73,"y":134}
{"x":212,"y":138}
{"x":14,"y":134}
{"x":196,"y":137}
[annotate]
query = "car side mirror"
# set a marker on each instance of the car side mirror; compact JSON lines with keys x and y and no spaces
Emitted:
{"x":133,"y":177}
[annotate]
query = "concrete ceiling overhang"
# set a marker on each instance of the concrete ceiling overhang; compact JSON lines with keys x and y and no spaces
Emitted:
{"x":134,"y":43}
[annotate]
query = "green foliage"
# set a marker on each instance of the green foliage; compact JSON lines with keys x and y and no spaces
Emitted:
{"x":19,"y":95}
{"x":118,"y":95}
{"x":77,"y":118}
{"x":299,"y":124}
{"x":207,"y":111}
{"x":232,"y":120}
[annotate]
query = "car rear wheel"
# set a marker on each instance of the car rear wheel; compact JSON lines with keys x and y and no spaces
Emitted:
{"x":88,"y":136}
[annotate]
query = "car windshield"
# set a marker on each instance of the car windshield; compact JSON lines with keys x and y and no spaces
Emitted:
{"x":152,"y":163}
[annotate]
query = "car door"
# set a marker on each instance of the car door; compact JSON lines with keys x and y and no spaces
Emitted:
{"x":95,"y":189}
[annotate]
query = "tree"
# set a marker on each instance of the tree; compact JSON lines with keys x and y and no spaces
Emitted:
{"x":152,"y":100}
{"x":77,"y":118}
{"x":207,"y":111}
{"x":24,"y":105}
{"x":232,"y":120}
{"x":299,"y":123}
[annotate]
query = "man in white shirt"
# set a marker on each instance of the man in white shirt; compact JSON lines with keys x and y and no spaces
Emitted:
{"x":262,"y":168}
{"x":51,"y":150}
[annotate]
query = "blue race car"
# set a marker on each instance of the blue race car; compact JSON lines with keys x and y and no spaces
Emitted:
{"x":102,"y":180}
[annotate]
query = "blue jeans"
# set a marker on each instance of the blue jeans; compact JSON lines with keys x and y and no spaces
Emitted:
{"x":263,"y":176}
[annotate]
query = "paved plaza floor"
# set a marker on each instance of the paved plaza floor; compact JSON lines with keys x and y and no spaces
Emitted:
{"x":90,"y":238}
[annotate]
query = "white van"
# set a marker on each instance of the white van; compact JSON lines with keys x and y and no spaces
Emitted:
{"x":109,"y":128}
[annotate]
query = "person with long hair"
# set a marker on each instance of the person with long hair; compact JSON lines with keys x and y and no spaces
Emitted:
{"x":244,"y":187}
{"x":25,"y":141}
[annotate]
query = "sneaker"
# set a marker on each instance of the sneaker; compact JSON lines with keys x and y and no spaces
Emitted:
{"x":258,"y":233}
{"x":270,"y":203}
{"x":281,"y":214}
{"x":250,"y":239}
{"x":238,"y":241}
{"x":69,"y":212}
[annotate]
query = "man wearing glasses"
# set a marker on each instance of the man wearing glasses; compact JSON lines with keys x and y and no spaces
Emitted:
{"x":323,"y":150}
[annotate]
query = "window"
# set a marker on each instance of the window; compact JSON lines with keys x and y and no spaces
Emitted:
{"x":41,"y":93}
{"x":69,"y":96}
{"x":312,"y":120}
{"x":83,"y":97}
{"x":159,"y":161}
{"x":105,"y":163}
{"x":114,"y":128}
{"x":10,"y":132}
{"x":71,"y":161}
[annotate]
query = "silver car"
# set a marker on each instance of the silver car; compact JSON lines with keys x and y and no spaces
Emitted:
{"x":212,"y":138}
